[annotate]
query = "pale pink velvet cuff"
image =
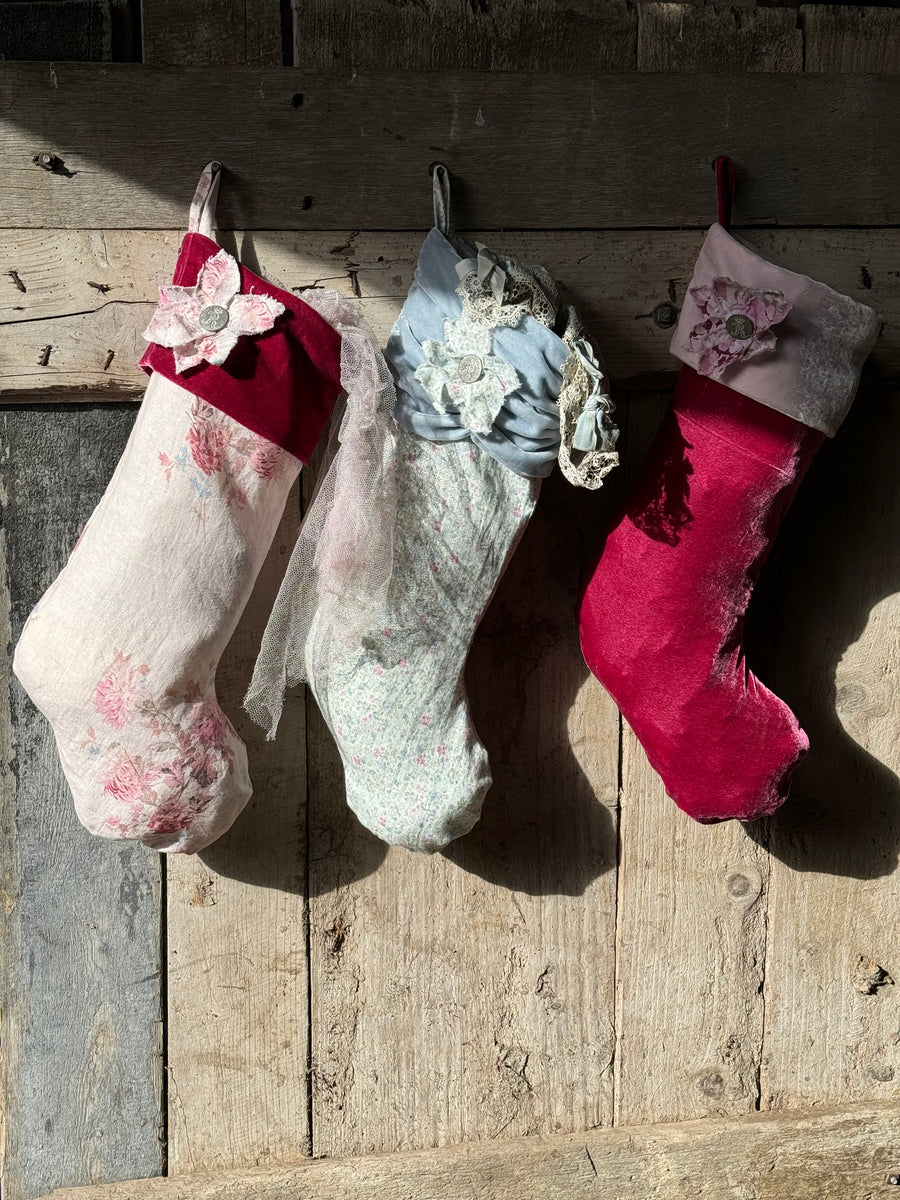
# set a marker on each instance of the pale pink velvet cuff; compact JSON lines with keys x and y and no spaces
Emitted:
{"x":813,"y":371}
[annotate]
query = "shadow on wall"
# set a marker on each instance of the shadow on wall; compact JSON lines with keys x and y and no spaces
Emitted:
{"x":543,"y":830}
{"x":835,"y":561}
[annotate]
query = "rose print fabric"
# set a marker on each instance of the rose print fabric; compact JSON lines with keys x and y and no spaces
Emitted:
{"x":120,"y":654}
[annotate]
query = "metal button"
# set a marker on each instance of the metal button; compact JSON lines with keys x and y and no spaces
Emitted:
{"x":470,"y":369}
{"x":740,"y":327}
{"x":213,"y":318}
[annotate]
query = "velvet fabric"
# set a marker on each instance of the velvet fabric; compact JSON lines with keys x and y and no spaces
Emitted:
{"x":662,"y":617}
{"x":281,"y":384}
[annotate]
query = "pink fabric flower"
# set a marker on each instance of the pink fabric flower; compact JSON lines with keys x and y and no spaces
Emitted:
{"x":128,"y":779}
{"x":203,"y":323}
{"x":737,"y":324}
{"x":116,"y":694}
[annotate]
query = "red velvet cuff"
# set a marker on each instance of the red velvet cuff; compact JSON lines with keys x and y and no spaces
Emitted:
{"x":281,"y":384}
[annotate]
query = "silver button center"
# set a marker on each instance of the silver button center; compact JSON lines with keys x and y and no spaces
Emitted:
{"x":740,"y":327}
{"x":470,"y":369}
{"x":213,"y":318}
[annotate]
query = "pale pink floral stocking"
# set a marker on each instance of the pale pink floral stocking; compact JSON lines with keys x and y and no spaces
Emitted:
{"x":120,"y":654}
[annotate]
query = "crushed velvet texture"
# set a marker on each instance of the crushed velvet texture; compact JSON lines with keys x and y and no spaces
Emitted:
{"x":280,"y":384}
{"x":662,"y":616}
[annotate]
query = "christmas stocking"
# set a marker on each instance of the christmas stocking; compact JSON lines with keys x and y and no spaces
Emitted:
{"x":120,"y":654}
{"x":772,"y":362}
{"x":409,"y":535}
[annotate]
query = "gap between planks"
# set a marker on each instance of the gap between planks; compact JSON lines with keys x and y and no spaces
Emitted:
{"x":88,"y":295}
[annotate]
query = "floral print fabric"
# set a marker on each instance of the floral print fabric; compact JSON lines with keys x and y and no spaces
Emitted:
{"x":120,"y":653}
{"x":416,"y":772}
{"x":190,"y":748}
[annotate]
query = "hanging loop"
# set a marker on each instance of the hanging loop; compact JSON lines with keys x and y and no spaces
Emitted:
{"x":203,"y":205}
{"x":443,"y":210}
{"x":724,"y":168}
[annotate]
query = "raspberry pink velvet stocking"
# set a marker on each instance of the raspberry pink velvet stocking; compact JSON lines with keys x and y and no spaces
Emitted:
{"x":120,"y":653}
{"x":772,"y":363}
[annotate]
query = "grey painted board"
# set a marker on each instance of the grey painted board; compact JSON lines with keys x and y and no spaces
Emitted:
{"x":80,"y":916}
{"x":333,"y":149}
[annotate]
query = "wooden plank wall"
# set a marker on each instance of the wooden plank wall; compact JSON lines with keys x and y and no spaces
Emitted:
{"x":587,"y":956}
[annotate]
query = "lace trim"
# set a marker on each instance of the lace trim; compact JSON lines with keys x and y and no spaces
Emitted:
{"x":527,"y":290}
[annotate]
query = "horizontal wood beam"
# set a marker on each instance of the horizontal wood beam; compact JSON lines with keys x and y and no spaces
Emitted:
{"x":344,"y":148}
{"x":766,"y":1156}
{"x":73,"y":304}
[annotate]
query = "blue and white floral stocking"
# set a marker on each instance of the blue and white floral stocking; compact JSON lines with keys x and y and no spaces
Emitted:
{"x":427,"y":495}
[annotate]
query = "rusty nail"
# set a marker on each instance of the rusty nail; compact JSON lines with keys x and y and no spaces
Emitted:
{"x":664,"y":315}
{"x":44,"y":356}
{"x":110,"y":355}
{"x":14,"y":276}
{"x":103,"y":288}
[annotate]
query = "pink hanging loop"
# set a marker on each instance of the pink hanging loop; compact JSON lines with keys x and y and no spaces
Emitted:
{"x":724,"y":168}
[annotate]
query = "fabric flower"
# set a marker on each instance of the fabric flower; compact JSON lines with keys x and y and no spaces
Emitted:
{"x":204,"y":322}
{"x":736,"y":326}
{"x":461,"y":373}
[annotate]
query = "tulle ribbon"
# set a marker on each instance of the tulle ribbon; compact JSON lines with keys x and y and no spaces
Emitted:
{"x":342,"y":562}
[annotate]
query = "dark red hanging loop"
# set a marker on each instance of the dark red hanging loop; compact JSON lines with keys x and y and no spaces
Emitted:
{"x":724,"y":169}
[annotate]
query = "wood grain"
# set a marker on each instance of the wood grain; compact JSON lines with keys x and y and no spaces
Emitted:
{"x":470,"y":995}
{"x":325,"y":150}
{"x":849,"y":38}
{"x":222,"y":33}
{"x":691,"y":37}
{"x":555,"y":35}
{"x":832,"y":1011}
{"x":80,"y":915}
{"x":91,"y":293}
{"x":802,"y":1156}
{"x":690,"y":934}
{"x":238,"y":980}
{"x":76,"y":30}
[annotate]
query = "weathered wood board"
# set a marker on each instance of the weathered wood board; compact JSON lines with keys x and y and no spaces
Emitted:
{"x":691,"y":930}
{"x":567,"y":964}
{"x":470,"y":995}
{"x":82,"y":1059}
{"x":766,"y":1156}
{"x":88,"y":295}
{"x":847,"y":37}
{"x":555,"y":35}
{"x":832,"y":1000}
{"x":334,"y":148}
{"x":237,"y":927}
{"x":218,"y":32}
